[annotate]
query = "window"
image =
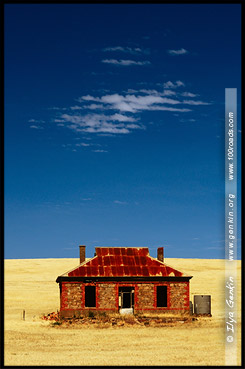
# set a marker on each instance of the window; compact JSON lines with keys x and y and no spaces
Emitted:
{"x":162,"y":296}
{"x":90,"y":296}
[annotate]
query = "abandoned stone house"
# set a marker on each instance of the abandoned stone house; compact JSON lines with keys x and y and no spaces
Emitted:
{"x":117,"y":279}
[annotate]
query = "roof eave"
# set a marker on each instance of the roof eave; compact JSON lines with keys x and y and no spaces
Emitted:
{"x":123,"y":278}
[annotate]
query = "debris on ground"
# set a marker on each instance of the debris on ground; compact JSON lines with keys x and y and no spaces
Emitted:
{"x":51,"y":316}
{"x":118,"y":321}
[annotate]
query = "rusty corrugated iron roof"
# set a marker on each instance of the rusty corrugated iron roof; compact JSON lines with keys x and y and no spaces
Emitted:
{"x":123,"y":262}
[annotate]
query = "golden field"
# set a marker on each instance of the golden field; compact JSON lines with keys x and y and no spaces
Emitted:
{"x":30,"y":285}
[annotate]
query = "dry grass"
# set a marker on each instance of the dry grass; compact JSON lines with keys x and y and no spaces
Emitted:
{"x":30,"y":285}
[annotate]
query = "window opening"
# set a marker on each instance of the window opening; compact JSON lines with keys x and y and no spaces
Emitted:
{"x":90,"y":296}
{"x":162,"y":296}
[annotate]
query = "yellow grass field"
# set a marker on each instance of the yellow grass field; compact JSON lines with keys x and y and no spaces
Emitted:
{"x":30,"y":285}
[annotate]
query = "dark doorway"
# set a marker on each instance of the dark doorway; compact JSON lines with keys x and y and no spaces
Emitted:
{"x":126,"y":300}
{"x":162,"y":300}
{"x":126,"y":297}
{"x":90,"y":296}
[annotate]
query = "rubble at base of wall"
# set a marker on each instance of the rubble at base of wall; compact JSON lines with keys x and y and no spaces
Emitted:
{"x":137,"y":313}
{"x":117,"y":320}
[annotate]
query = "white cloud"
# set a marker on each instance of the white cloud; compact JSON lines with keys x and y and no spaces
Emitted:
{"x":135,"y":126}
{"x":93,"y":106}
{"x":98,"y":117}
{"x":99,"y":151}
{"x":179,"y":83}
{"x":36,"y":127}
{"x":126,"y":108}
{"x":36,"y":121}
{"x":152,"y":92}
{"x":168,"y":93}
{"x":176,"y":84}
{"x":178,"y":52}
{"x":72,"y":118}
{"x":88,"y":98}
{"x":131,"y":91}
{"x":188,"y":94}
{"x":129,"y":50}
{"x":56,"y":108}
{"x":148,"y":92}
{"x":166,"y":108}
{"x":193,"y":102}
{"x":101,"y":123}
{"x":144,"y":101}
{"x":132,"y":103}
{"x":112,"y":99}
{"x":83,"y":144}
{"x":125,"y":62}
{"x":122,"y":118}
{"x":109,"y":128}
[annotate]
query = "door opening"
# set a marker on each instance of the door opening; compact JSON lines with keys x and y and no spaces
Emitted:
{"x":126,"y":299}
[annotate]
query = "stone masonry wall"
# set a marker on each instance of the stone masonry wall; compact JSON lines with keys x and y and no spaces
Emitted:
{"x":179,"y":296}
{"x":107,"y":296}
{"x":71,"y":297}
{"x":145,"y":296}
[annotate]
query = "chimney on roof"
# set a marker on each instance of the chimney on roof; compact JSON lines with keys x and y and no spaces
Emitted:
{"x":82,"y":253}
{"x":160,"y":254}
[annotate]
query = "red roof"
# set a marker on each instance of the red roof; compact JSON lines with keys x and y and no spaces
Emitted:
{"x":123,"y":262}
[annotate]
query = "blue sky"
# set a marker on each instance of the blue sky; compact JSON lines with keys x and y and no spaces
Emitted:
{"x":114,"y":127}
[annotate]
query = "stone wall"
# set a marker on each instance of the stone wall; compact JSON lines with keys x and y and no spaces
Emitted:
{"x":71,"y":296}
{"x":144,"y":296}
{"x":107,"y":296}
{"x":179,"y":295}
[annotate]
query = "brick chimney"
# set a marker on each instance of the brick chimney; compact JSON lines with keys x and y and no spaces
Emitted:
{"x":160,"y":254}
{"x":82,"y":253}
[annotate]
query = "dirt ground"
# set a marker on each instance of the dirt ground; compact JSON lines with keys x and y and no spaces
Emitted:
{"x":30,"y":286}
